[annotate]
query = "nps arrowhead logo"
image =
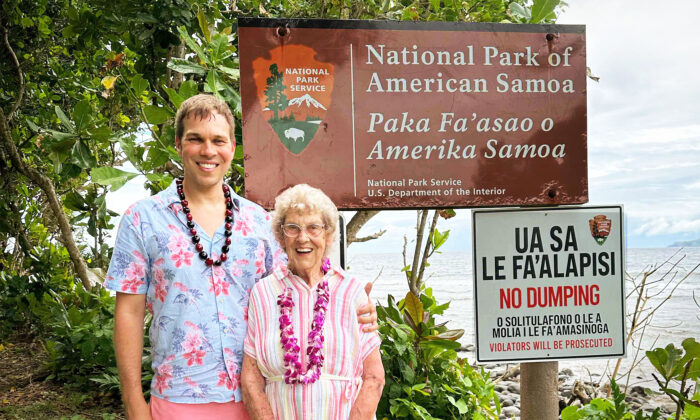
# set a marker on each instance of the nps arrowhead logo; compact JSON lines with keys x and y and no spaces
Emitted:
{"x":600,"y":228}
{"x":294,"y":90}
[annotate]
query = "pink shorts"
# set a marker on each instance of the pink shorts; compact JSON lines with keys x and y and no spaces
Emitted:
{"x":165,"y":410}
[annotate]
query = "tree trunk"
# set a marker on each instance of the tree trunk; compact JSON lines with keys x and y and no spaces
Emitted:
{"x":46,"y":186}
{"x":176,"y":78}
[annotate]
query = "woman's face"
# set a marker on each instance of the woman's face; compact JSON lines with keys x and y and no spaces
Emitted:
{"x":305,"y":252}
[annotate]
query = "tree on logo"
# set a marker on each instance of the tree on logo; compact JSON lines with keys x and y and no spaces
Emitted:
{"x":276,"y":99}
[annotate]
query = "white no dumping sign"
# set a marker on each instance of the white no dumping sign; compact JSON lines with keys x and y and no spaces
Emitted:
{"x":549,"y":283}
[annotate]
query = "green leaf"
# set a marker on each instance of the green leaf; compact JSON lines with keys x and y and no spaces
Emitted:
{"x":213,"y":85}
{"x":157,"y":115}
{"x":157,"y":157}
{"x":666,"y":361}
{"x":174,"y":97}
{"x":414,"y":307}
{"x":35,"y":128}
{"x":234,"y":73}
{"x":64,"y":119}
{"x":81,"y":156}
{"x":113,"y":177}
{"x":451,"y":335}
{"x":75,"y":201}
{"x":100,"y":134}
{"x":81,"y":114}
{"x":138,"y":84}
{"x":220,"y":49}
{"x":181,"y":65}
{"x":436,"y":5}
{"x":60,"y":135}
{"x":193,"y":44}
{"x":692,"y":350}
{"x":188,"y":89}
{"x":460,"y":404}
{"x":439,"y":238}
{"x":541,"y":9}
{"x":127,"y":145}
{"x":440,"y":344}
{"x":160,"y":179}
{"x":570,"y":413}
{"x":692,"y":412}
{"x":204,"y":25}
{"x":694,"y":371}
{"x":519,"y":11}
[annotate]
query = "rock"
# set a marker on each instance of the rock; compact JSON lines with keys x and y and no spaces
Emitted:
{"x":567,"y":372}
{"x":510,"y":412}
{"x":514,"y":388}
{"x":668,"y":407}
{"x":637,"y":390}
{"x":507,"y":402}
{"x":647,"y":407}
{"x":500,"y":388}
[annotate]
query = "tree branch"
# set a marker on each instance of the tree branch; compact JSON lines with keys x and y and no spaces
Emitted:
{"x":370,"y":237}
{"x":19,"y":72}
{"x":359,"y":219}
{"x":46,"y":186}
{"x":427,"y":252}
{"x":416,"y":252}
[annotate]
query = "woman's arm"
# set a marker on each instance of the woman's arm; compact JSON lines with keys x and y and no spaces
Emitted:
{"x":253,"y":388}
{"x":372,"y":384}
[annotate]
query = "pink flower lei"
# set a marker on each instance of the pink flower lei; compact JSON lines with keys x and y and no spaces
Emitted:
{"x":294,"y":373}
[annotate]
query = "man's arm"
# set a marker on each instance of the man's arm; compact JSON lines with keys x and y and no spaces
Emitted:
{"x":128,"y":347}
{"x":372,"y":385}
{"x":253,"y":388}
{"x":370,"y":320}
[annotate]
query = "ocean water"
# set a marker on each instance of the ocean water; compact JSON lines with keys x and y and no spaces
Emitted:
{"x":450,"y":277}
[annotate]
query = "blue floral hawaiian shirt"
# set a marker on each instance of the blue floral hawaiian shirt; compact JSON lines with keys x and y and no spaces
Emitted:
{"x":199,"y":312}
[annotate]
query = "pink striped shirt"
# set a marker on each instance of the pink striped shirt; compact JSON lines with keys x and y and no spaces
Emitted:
{"x":345,"y":346}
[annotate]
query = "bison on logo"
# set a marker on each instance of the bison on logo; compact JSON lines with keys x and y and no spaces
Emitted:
{"x":294,"y":90}
{"x":600,"y":228}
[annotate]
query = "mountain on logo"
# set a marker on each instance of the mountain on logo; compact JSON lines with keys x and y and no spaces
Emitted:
{"x":307,"y":100}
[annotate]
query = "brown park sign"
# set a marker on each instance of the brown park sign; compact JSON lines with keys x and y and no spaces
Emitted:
{"x":414,"y":114}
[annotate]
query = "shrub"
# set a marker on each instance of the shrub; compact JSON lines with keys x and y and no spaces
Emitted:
{"x":425,"y":377}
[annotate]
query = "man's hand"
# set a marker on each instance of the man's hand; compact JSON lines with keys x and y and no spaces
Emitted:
{"x":367,"y":313}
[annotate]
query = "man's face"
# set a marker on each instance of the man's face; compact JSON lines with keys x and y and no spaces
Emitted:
{"x":206,"y":149}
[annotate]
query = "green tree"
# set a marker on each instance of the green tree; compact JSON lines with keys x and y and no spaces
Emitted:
{"x":276,"y":99}
{"x":88,"y":93}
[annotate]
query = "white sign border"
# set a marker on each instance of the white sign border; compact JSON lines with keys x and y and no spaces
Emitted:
{"x":623,"y":253}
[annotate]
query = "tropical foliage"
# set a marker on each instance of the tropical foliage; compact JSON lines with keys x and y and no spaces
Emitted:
{"x":87,"y":97}
{"x":425,"y":378}
{"x":677,"y":368}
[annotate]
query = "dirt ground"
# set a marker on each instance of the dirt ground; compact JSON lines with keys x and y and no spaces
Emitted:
{"x":26,"y":394}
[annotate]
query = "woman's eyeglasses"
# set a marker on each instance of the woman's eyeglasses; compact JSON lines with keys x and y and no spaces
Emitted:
{"x":293,"y":230}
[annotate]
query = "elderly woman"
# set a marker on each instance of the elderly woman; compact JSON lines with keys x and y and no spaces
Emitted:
{"x":306,"y":356}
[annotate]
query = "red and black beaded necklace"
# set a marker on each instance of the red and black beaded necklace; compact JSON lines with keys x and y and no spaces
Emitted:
{"x":190,"y":224}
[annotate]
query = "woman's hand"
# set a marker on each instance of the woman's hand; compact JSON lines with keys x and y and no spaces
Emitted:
{"x":367,"y":313}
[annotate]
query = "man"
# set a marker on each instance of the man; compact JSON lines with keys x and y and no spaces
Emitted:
{"x":191,"y":255}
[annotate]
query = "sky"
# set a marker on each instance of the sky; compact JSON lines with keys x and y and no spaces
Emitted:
{"x":643,"y":127}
